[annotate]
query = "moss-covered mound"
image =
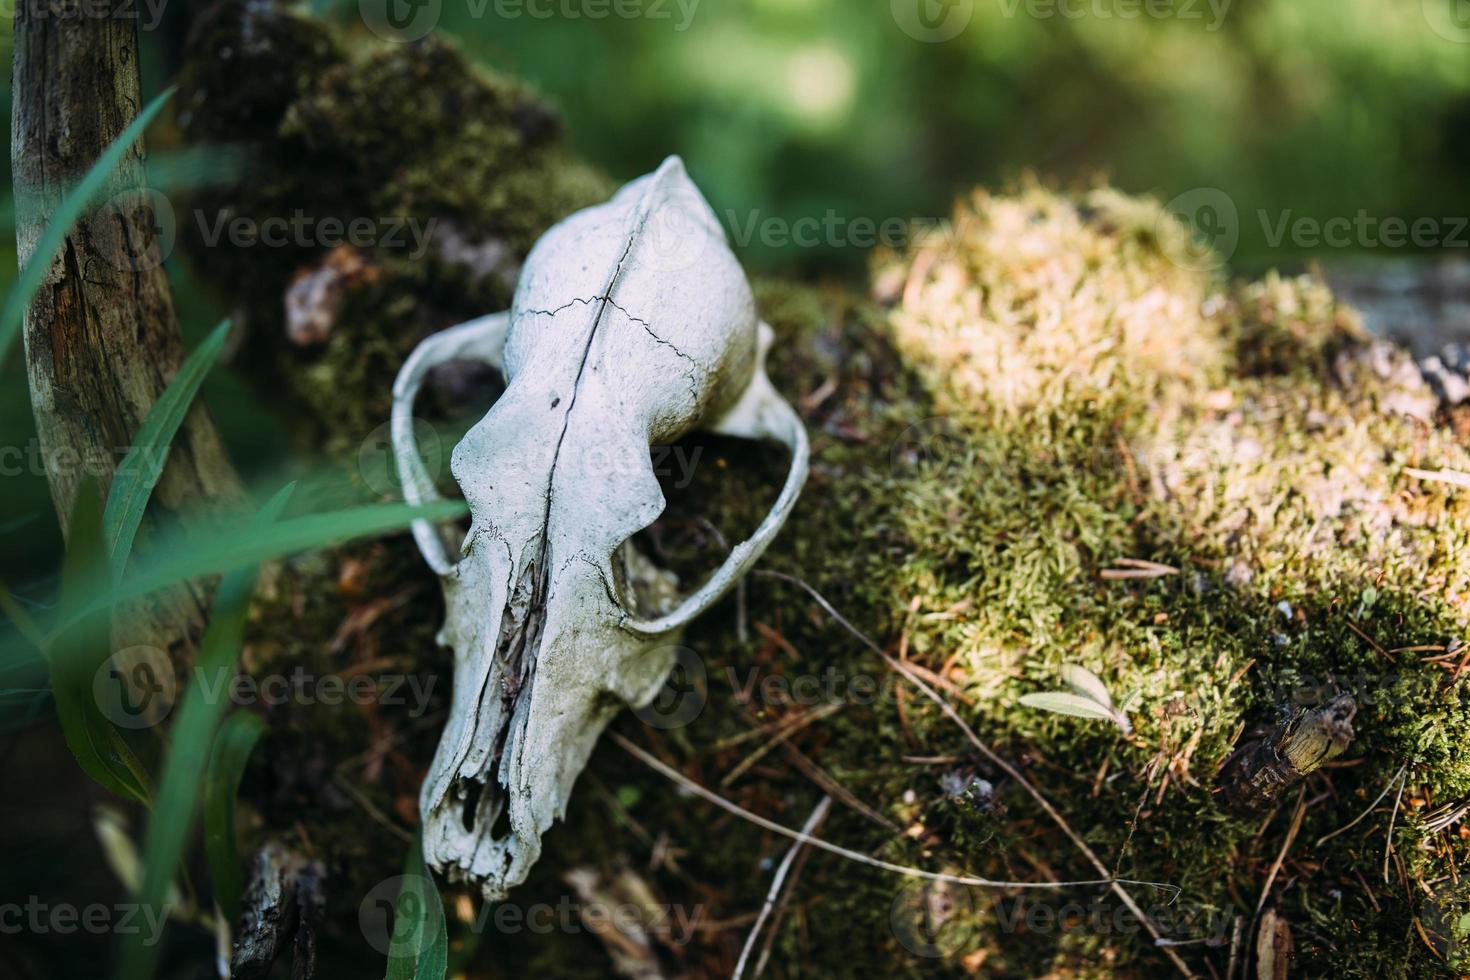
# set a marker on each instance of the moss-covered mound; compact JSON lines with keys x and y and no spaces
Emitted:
{"x":1053,"y":436}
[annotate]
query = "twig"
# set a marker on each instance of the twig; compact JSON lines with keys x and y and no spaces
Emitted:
{"x":832,"y":787}
{"x":1116,"y":885}
{"x":1388,"y":842}
{"x":1452,"y":477}
{"x":357,"y":795}
{"x":1291,"y":832}
{"x":1237,"y":932}
{"x":1359,"y":818}
{"x":1130,"y":568}
{"x":1377,"y":647}
{"x":818,"y":815}
{"x":1442,"y":817}
{"x":780,"y":913}
{"x":669,"y":772}
{"x":780,"y":738}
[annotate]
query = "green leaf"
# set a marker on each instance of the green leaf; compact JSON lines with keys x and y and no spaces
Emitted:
{"x":1068,"y":704}
{"x":185,"y":557}
{"x":191,"y":738}
{"x":139,"y":471}
{"x":419,"y":947}
{"x":78,"y":653}
{"x":1085,"y":683}
{"x":67,"y":212}
{"x":232,"y":745}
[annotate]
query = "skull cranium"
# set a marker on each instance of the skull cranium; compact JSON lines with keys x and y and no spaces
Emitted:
{"x":632,"y":324}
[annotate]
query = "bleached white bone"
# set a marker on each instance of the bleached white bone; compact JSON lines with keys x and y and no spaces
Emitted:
{"x":632,"y":324}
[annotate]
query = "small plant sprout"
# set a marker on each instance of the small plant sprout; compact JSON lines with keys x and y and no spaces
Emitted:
{"x":1089,"y":698}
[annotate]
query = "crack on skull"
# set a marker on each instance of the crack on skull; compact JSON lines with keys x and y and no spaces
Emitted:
{"x":607,"y":300}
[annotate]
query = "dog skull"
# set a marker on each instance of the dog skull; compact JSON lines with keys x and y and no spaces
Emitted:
{"x":632,"y":324}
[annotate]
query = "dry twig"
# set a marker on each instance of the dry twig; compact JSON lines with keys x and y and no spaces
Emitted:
{"x":812,"y":822}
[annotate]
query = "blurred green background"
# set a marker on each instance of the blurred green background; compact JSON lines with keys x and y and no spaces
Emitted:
{"x":795,"y":107}
{"x":787,"y":110}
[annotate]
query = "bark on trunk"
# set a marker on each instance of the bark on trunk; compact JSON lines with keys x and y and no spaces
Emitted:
{"x":101,"y":338}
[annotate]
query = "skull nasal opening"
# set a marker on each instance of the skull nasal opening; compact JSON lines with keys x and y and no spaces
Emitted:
{"x":471,"y":790}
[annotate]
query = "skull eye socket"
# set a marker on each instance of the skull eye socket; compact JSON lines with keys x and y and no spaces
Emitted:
{"x":717,"y":490}
{"x":452,"y":397}
{"x":455,"y":396}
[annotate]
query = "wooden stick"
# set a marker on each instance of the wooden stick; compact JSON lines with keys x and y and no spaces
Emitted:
{"x":812,"y":822}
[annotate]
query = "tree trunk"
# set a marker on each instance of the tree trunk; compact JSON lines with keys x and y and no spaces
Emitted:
{"x":101,"y":337}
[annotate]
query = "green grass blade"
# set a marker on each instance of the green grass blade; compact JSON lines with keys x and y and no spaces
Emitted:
{"x":139,"y":471}
{"x":79,"y":652}
{"x":191,"y":738}
{"x":71,"y":208}
{"x":24,"y":624}
{"x":185,"y":557}
{"x":232,"y":746}
{"x":419,"y":946}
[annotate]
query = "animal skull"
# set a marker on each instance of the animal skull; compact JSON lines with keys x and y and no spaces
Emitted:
{"x":631,"y":325}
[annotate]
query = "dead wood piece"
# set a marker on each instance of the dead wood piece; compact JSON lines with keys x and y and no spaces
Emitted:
{"x":625,"y":935}
{"x":1269,"y":760}
{"x":282,"y":908}
{"x":1273,"y":947}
